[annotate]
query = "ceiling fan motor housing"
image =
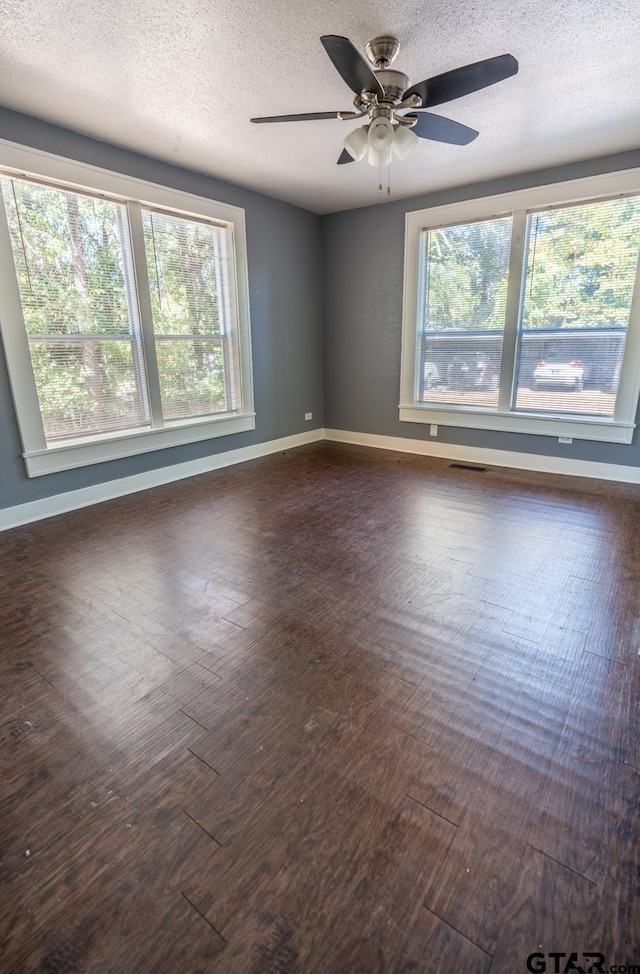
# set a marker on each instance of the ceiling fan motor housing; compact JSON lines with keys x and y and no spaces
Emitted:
{"x":395,"y":83}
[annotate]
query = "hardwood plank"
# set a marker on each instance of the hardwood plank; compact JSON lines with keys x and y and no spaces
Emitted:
{"x":436,"y":947}
{"x":476,"y":880}
{"x":588,"y":815}
{"x":552,"y":909}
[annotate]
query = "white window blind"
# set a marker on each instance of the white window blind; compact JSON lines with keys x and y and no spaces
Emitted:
{"x":73,"y":265}
{"x":462,"y":293}
{"x":578,"y":284}
{"x":188,"y":264}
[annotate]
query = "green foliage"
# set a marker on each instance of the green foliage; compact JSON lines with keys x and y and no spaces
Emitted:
{"x":184,"y":261}
{"x":191,"y":378}
{"x":581,"y":265}
{"x":183,"y":257}
{"x":68,"y":254}
{"x":467,"y":269}
{"x":65,"y":400}
{"x":85,"y":388}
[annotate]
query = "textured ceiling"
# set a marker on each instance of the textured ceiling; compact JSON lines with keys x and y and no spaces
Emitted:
{"x":180,"y":81}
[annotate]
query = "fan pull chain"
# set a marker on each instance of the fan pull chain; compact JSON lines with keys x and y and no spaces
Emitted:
{"x":380,"y":184}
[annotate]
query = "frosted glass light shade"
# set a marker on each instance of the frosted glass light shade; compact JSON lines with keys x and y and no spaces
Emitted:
{"x":404,"y":142}
{"x":375,"y":158}
{"x":356,"y":143}
{"x":381,"y":134}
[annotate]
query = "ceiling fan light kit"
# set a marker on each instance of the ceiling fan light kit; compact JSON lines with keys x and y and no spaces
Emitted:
{"x":383,"y":97}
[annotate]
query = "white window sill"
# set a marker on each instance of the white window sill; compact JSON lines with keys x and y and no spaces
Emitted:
{"x":579,"y":428}
{"x":81,"y":452}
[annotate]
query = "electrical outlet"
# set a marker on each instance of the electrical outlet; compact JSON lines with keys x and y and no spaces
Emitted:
{"x":308,"y":416}
{"x":565,"y":439}
{"x":433,"y":429}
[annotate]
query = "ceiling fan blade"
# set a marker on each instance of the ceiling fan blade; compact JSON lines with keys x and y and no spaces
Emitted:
{"x":308,"y":117}
{"x":350,"y":65}
{"x":463,"y":81}
{"x":345,"y":157}
{"x":440,"y":129}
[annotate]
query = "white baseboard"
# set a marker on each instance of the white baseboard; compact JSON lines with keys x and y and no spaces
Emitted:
{"x":12,"y":517}
{"x":495,"y":458}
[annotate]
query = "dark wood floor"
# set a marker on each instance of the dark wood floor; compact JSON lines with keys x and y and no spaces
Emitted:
{"x":335,"y":710}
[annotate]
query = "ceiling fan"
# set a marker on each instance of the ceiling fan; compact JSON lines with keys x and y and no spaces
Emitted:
{"x":384,"y":98}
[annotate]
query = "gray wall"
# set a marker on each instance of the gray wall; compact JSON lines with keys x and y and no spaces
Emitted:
{"x":363,"y":268}
{"x":284,"y":250}
{"x":326,"y":309}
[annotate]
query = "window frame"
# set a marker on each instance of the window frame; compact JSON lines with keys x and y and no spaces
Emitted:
{"x":21,"y":162}
{"x":619,"y":429}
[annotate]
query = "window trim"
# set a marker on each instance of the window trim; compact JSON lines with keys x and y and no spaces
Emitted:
{"x":621,"y":428}
{"x":23,"y":162}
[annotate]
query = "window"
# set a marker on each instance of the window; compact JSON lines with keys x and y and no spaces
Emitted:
{"x":124,"y":313}
{"x":521,"y":311}
{"x":188,"y":266}
{"x":581,"y":266}
{"x":72,"y":267}
{"x":462,"y":302}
